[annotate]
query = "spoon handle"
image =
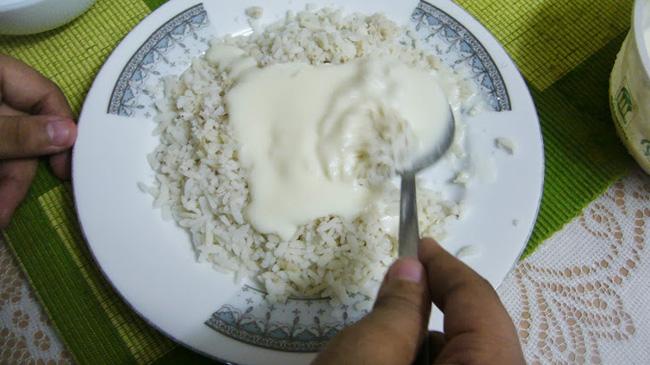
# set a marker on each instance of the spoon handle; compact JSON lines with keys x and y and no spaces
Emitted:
{"x":409,"y":239}
{"x":409,"y":234}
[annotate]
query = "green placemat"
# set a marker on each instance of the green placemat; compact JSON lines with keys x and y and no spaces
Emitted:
{"x":564,"y":50}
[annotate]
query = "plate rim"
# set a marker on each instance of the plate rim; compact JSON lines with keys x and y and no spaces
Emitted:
{"x":170,"y":4}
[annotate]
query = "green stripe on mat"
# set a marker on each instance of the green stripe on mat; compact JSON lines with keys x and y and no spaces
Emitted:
{"x":583,"y":153}
{"x":154,"y":4}
{"x":88,"y":309}
{"x":549,"y":38}
{"x":43,"y":258}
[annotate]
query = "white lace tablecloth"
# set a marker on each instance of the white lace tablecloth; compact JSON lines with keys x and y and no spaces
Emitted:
{"x":583,"y":297}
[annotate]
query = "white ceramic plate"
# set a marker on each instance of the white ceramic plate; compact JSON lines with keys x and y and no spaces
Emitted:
{"x":150,"y":261}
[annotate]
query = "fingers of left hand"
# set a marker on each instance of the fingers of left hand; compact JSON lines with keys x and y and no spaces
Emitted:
{"x":15,"y":179}
{"x":31,"y":136}
{"x":25,"y":89}
{"x":61,"y":165}
{"x":391,"y":333}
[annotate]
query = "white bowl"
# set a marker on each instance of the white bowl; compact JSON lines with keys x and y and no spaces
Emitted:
{"x":35,"y":16}
{"x":630,"y":88}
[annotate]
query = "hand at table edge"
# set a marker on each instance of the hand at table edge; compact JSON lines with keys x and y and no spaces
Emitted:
{"x":35,"y":121}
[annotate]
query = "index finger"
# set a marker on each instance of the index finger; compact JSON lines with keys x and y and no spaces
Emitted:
{"x":24,"y":89}
{"x":468,"y":301}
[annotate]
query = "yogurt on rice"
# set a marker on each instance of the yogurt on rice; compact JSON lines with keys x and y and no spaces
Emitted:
{"x":309,"y":134}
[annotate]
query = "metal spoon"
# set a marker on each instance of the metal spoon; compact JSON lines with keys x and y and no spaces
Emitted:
{"x":409,"y":234}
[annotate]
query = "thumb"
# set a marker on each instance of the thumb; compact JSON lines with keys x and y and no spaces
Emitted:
{"x":393,"y":331}
{"x":35,"y":135}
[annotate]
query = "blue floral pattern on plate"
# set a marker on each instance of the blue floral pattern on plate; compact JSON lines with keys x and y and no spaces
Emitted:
{"x":301,"y":324}
{"x":462,"y":51}
{"x":170,"y":48}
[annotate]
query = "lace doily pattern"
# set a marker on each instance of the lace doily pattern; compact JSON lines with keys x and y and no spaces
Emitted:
{"x":580,"y":298}
{"x":26,"y":335}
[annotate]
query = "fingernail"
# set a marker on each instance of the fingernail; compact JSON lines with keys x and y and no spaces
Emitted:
{"x":59,"y":131}
{"x":408,"y":269}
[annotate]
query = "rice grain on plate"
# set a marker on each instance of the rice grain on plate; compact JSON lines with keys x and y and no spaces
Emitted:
{"x":200,"y":183}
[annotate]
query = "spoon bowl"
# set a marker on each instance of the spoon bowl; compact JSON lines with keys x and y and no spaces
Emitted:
{"x":409,"y":235}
